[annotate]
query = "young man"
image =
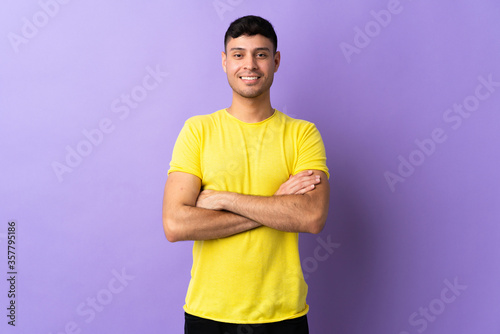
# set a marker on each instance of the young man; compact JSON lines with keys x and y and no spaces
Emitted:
{"x":243,"y":182}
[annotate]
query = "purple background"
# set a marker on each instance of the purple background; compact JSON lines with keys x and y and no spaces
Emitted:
{"x":394,"y":248}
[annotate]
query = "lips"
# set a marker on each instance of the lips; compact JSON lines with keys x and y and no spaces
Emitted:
{"x":249,"y":79}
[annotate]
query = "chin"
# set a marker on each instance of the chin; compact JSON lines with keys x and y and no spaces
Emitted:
{"x":251,"y":95}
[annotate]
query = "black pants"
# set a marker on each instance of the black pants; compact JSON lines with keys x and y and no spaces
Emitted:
{"x":197,"y":325}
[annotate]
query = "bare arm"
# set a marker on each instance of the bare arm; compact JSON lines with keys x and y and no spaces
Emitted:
{"x":182,"y":220}
{"x":305,"y":212}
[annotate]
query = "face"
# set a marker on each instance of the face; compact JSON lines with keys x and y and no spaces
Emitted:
{"x":250,"y":64}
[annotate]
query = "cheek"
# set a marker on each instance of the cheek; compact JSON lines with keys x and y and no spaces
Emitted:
{"x":269,"y":68}
{"x":231,"y":67}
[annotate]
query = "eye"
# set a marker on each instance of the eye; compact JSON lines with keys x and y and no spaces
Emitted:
{"x":261,"y":55}
{"x":237,"y":55}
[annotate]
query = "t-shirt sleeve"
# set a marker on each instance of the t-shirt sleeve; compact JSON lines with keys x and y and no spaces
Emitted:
{"x":311,"y":151}
{"x":186,"y":153}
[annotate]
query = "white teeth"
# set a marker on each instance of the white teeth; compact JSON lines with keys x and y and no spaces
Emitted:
{"x":249,"y":78}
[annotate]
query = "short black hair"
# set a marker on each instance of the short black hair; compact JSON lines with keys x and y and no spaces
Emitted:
{"x":251,"y":25}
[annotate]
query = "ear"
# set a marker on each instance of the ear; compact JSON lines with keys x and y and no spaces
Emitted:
{"x":224,"y":57}
{"x":277,"y":61}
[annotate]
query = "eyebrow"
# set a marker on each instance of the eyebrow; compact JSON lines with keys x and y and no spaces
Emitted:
{"x":257,"y":49}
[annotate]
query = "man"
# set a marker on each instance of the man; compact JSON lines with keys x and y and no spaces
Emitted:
{"x":243,"y":182}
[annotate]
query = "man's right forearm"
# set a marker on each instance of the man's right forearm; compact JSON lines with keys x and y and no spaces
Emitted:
{"x":185,"y":219}
{"x":192,"y":223}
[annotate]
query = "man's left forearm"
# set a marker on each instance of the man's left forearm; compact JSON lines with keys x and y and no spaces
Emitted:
{"x":289,"y":213}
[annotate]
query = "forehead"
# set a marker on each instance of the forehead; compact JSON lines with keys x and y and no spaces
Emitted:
{"x":249,"y":42}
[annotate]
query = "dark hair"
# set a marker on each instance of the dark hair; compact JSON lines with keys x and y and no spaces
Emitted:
{"x":251,"y":25}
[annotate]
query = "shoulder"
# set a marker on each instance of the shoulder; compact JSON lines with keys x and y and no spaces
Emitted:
{"x":200,"y":123}
{"x":297,"y":124}
{"x":200,"y":120}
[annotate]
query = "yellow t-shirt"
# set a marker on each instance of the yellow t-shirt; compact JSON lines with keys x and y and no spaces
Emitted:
{"x":254,"y":276}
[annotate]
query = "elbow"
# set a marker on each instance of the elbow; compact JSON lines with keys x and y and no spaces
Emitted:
{"x":171,"y":237}
{"x":316,"y":223}
{"x":171,"y":230}
{"x":317,"y":212}
{"x":316,"y":227}
{"x":174,"y":224}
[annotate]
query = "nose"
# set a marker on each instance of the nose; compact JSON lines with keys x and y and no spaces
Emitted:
{"x":250,"y":63}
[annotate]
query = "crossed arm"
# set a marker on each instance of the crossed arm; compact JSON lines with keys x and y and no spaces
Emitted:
{"x":299,"y":205}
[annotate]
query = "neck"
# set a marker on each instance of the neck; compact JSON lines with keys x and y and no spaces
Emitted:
{"x":251,"y":110}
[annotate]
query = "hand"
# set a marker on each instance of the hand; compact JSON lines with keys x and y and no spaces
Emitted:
{"x":299,"y":183}
{"x":210,"y":199}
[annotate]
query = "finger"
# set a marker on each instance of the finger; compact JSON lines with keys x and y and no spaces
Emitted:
{"x":304,"y":181}
{"x":304,"y":177}
{"x":306,"y":189}
{"x":300,"y":187}
{"x":306,"y":185}
{"x":298,"y":182}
